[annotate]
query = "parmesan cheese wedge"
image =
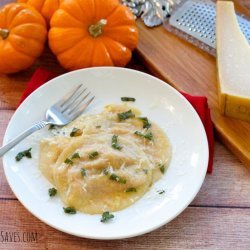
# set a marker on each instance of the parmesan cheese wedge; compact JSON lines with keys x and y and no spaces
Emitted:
{"x":233,"y":64}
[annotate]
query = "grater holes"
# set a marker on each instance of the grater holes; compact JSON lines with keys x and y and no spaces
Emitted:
{"x":244,"y":26}
{"x":197,"y":18}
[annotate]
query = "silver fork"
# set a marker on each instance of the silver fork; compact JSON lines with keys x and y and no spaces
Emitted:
{"x":61,"y":113}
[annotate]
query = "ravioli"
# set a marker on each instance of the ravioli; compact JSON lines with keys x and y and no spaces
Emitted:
{"x":110,"y":165}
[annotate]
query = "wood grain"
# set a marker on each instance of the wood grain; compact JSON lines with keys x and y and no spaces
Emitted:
{"x":181,"y":233}
{"x":5,"y":116}
{"x":228,"y":185}
{"x":193,"y":71}
{"x":245,"y":3}
{"x":5,"y":191}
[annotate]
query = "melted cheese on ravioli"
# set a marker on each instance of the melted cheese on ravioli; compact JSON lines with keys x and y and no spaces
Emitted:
{"x":113,"y":179}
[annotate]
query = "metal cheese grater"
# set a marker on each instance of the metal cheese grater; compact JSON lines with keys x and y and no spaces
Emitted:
{"x":194,"y":20}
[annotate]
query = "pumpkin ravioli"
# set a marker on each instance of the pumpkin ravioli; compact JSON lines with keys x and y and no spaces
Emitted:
{"x":110,"y":165}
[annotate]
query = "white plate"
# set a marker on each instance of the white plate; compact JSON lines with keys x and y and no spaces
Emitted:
{"x":158,"y":101}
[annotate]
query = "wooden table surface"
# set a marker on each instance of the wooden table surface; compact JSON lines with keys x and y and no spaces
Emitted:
{"x":218,"y":218}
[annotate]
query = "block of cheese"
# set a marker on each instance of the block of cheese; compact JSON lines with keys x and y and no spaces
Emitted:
{"x":233,"y":64}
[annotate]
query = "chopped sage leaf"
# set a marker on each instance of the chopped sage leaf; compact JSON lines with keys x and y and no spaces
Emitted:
{"x":118,"y":179}
{"x":161,"y":191}
{"x":106,"y":216}
{"x":145,"y":121}
{"x":99,"y":126}
{"x":83,"y":172}
{"x":125,"y":115}
{"x":75,"y":156}
{"x":106,"y":171}
{"x":69,"y":210}
{"x":75,"y":132}
{"x":25,"y":153}
{"x":145,"y":171}
{"x":162,"y":168}
{"x":131,"y":189}
{"x":93,"y":155}
{"x":52,"y":192}
{"x":148,"y":136}
{"x":68,"y":161}
{"x":128,"y":99}
{"x":115,"y":142}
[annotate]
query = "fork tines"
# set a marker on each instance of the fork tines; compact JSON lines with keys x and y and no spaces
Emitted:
{"x":75,"y":102}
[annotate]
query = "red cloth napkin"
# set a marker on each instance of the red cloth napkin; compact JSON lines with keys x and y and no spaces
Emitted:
{"x":198,"y":102}
{"x":40,"y":77}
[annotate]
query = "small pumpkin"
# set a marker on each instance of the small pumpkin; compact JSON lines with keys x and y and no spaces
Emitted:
{"x":45,"y":7}
{"x":92,"y":33}
{"x":22,"y":37}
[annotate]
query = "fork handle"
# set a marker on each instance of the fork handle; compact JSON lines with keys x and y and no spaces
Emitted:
{"x":19,"y":138}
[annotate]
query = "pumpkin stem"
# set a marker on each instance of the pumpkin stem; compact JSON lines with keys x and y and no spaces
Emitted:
{"x":95,"y":30}
{"x":4,"y":33}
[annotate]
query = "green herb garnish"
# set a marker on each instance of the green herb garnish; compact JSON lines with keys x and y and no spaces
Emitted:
{"x":145,"y":121}
{"x":75,"y":132}
{"x":106,"y":171}
{"x":148,"y":136}
{"x":145,"y":171}
{"x":161,"y":191}
{"x":25,"y":153}
{"x":52,"y":192}
{"x":99,"y":126}
{"x":128,"y":99}
{"x":162,"y":168}
{"x":93,"y":155}
{"x":118,"y":179}
{"x":83,"y":172}
{"x":68,"y":161}
{"x":115,"y":143}
{"x":106,"y":216}
{"x":75,"y":156}
{"x":131,"y":189}
{"x":69,"y":210}
{"x":125,"y":115}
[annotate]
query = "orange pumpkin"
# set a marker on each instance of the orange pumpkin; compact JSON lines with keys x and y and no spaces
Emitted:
{"x":45,"y":7}
{"x":22,"y":37}
{"x":86,"y":33}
